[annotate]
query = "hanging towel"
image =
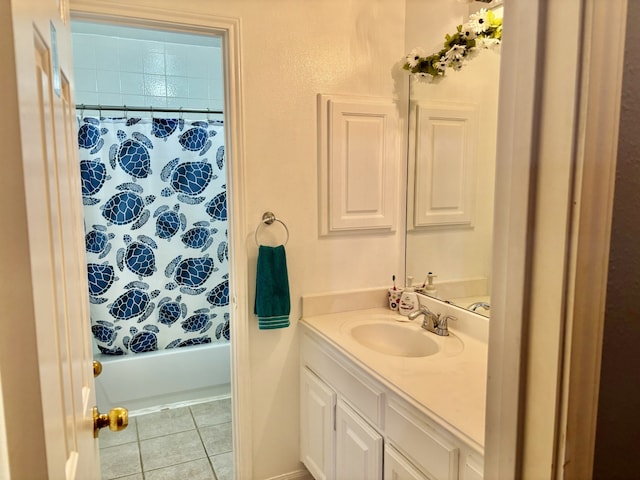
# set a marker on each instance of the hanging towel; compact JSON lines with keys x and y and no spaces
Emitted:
{"x":272,"y":305}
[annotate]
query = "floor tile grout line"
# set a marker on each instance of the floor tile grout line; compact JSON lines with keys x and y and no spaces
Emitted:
{"x":213,"y":468}
{"x":180,"y":463}
{"x":139,"y":449}
{"x":197,"y":427}
{"x":195,"y":421}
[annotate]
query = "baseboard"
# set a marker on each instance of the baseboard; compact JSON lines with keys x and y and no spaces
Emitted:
{"x":295,"y":475}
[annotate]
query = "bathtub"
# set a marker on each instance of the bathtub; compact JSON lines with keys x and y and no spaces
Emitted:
{"x":156,"y":379}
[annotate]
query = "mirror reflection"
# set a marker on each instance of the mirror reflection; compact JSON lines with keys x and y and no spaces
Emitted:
{"x":450,"y":201}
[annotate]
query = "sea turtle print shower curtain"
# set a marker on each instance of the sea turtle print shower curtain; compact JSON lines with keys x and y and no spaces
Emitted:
{"x":155,"y":214}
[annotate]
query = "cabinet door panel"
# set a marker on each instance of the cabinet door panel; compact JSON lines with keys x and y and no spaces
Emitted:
{"x":396,"y":467}
{"x":358,"y":447}
{"x":317,"y":402}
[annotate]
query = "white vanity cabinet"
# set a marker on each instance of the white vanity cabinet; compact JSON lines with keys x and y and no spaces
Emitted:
{"x":335,"y":441}
{"x":353,"y":426}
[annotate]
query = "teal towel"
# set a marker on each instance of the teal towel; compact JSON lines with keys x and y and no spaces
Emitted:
{"x":272,"y":305}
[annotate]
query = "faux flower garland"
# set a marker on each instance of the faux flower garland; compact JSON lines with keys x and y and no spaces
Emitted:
{"x":483,"y":30}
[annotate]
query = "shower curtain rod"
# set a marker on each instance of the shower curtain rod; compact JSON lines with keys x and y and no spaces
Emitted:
{"x":126,"y":108}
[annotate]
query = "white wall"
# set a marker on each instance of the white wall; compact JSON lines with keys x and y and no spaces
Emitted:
{"x":455,"y":253}
{"x":291,"y":51}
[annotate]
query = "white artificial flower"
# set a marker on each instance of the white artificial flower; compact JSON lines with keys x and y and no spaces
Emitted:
{"x":479,"y":21}
{"x":455,"y":53}
{"x":441,"y":64}
{"x":472,"y":53}
{"x":487,"y":43}
{"x":468,"y":31}
{"x":423,"y":77}
{"x":414,"y":57}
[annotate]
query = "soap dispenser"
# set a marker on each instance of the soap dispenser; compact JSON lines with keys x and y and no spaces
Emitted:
{"x":409,"y":300}
{"x":429,"y":287}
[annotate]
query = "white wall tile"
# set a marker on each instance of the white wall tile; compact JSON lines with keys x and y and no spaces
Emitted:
{"x":132,"y":83}
{"x":216,"y":88}
{"x":106,"y":50}
{"x":108,"y":81}
{"x":130,"y":54}
{"x":88,"y":98}
{"x":156,"y":101}
{"x":177,"y":64}
{"x":85,"y":79}
{"x":216,"y":104}
{"x":113,"y":70}
{"x":198,"y":58}
{"x":84,"y":51}
{"x":152,"y":47}
{"x":153,"y":63}
{"x":213,"y":66}
{"x":109,"y":99}
{"x":198,"y":88}
{"x":177,"y":86}
{"x":155,"y":85}
{"x":134,"y":100}
{"x":197,"y":102}
{"x":177,"y":102}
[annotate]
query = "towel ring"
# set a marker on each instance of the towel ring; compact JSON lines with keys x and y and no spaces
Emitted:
{"x":267,"y":219}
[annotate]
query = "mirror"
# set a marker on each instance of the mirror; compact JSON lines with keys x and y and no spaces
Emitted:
{"x":452,"y":132}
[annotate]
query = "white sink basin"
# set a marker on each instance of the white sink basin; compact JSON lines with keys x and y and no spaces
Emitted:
{"x":395,"y":339}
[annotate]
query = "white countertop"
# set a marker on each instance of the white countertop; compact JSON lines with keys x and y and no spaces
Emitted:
{"x":449,"y":386}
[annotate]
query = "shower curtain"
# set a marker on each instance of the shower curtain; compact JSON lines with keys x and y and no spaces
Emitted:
{"x":155,"y":216}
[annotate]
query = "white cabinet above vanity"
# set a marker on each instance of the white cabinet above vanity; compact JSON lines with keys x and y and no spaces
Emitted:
{"x":401,"y":415}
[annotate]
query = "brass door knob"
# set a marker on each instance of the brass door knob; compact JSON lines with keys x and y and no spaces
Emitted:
{"x":117,"y":419}
{"x":97,"y":368}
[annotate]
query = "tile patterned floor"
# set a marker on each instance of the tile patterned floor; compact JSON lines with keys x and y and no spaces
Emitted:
{"x":191,"y":443}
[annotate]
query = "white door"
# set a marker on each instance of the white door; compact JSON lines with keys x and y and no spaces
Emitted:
{"x":47,"y":380}
{"x":358,"y":446}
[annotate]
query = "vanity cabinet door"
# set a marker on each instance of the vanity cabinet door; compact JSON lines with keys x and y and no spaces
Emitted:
{"x":396,"y":467}
{"x":358,"y":446}
{"x":317,"y":405}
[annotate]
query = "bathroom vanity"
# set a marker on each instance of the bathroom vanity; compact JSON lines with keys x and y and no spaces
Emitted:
{"x":382,"y":398}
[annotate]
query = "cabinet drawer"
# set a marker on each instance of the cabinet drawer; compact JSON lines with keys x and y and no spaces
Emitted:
{"x":425,"y":446}
{"x":365,"y":395}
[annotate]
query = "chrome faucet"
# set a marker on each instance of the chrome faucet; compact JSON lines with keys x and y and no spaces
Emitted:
{"x":474,"y":306}
{"x":431,"y":321}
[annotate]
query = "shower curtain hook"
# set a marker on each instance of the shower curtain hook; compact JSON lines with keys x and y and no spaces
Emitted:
{"x":82,"y":111}
{"x":151,"y":109}
{"x":100,"y":111}
{"x":208,"y":115}
{"x":126,"y":112}
{"x":181,"y":115}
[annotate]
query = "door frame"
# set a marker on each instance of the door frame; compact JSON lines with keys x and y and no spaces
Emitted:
{"x":229,"y":29}
{"x":560,"y":88}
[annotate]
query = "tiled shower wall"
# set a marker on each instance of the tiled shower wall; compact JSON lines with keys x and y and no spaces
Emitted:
{"x":117,"y":65}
